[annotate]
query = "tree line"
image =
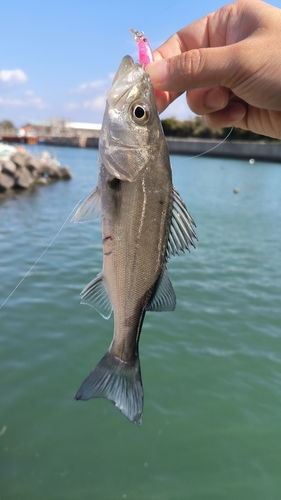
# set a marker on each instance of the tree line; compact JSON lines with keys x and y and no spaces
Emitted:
{"x":7,"y":124}
{"x":196,"y":128}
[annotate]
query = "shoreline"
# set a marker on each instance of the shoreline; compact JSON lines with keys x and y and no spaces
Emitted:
{"x":240,"y":150}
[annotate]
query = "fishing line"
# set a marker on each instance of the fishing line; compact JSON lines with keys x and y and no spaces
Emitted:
{"x":214,"y":147}
{"x":42,"y":254}
{"x":163,"y":9}
{"x":68,"y":217}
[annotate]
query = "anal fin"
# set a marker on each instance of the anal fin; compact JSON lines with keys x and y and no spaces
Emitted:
{"x":164,"y":298}
{"x":95,"y":294}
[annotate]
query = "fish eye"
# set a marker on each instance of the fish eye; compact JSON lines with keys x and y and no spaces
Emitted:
{"x":140,"y":113}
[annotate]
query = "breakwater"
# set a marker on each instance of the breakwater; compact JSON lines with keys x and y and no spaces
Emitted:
{"x":264,"y":151}
{"x":22,"y":170}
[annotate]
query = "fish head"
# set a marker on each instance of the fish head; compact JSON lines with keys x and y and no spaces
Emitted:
{"x":129,"y":139}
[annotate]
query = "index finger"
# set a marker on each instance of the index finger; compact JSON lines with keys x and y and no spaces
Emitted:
{"x":195,"y":35}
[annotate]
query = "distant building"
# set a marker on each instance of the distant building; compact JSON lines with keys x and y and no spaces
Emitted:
{"x":29,"y":134}
{"x":84,"y":128}
{"x":24,"y":135}
{"x":62,"y":128}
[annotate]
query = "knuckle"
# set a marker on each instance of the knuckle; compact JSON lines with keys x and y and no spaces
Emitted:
{"x":193,"y":64}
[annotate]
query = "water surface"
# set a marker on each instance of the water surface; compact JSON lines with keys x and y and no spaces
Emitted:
{"x":211,"y":369}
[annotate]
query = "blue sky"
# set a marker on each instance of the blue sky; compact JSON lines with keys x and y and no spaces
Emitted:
{"x":57,"y":57}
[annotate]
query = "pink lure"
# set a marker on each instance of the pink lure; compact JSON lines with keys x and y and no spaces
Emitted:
{"x":145,"y":51}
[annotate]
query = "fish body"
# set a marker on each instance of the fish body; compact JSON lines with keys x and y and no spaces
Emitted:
{"x":144,"y":221}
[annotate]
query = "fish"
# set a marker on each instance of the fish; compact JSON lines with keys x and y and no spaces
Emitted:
{"x":144,"y":222}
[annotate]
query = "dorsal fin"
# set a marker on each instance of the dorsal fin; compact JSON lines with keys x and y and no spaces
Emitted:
{"x":181,"y":231}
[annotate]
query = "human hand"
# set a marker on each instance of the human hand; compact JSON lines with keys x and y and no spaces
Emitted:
{"x":229,"y":62}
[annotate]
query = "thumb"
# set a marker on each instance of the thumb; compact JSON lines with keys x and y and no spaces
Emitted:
{"x":204,"y":67}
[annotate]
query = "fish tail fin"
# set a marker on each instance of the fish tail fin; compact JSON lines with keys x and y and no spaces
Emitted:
{"x":118,"y":381}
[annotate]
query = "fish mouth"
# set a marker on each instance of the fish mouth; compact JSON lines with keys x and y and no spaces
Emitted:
{"x":127,"y":64}
{"x":127,"y":76}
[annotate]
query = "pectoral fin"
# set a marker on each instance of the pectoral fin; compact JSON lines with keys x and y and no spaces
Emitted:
{"x":89,"y":208}
{"x":95,"y":294}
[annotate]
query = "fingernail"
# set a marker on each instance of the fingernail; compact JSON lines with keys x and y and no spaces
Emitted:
{"x":214,"y":99}
{"x":158,"y":71}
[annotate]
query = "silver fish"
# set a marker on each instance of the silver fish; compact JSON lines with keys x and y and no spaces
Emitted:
{"x":144,"y":222}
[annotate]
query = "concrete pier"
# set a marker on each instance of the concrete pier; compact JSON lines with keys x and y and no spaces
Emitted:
{"x":263,"y":151}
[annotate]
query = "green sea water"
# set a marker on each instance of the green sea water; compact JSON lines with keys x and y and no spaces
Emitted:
{"x":211,"y":369}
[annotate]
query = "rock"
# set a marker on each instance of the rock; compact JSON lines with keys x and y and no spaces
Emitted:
{"x":23,"y":170}
{"x":9,"y":167}
{"x":52,"y":171}
{"x":23,"y":179}
{"x":19,"y":159}
{"x":32,"y":164}
{"x":65,"y":173}
{"x":6,"y":182}
{"x":42,"y":180}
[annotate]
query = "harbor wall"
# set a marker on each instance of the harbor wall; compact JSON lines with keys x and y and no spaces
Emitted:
{"x":263,"y":151}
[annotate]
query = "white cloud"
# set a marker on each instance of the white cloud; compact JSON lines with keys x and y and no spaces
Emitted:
{"x":72,"y":106}
{"x":11,"y":77}
{"x":31,"y":100}
{"x":96,"y":103}
{"x":89,"y":86}
{"x":37,"y":102}
{"x":34,"y":100}
{"x":15,"y":103}
{"x":91,"y":96}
